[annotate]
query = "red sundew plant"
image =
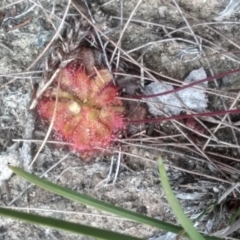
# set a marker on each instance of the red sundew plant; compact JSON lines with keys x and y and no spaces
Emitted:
{"x":88,"y":113}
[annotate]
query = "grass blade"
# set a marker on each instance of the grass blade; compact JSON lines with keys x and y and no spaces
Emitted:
{"x":64,"y":225}
{"x":89,"y":201}
{"x":235,"y":215}
{"x":174,"y":204}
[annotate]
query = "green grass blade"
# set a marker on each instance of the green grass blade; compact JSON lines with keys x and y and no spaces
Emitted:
{"x":66,"y":226}
{"x":89,"y":201}
{"x":235,"y":215}
{"x":174,"y":204}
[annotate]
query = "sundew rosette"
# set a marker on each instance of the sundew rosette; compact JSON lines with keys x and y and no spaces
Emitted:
{"x":88,"y":114}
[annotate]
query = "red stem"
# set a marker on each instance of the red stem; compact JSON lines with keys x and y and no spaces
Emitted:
{"x":207,"y":114}
{"x":189,"y":85}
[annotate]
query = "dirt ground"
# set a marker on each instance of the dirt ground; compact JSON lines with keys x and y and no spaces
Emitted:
{"x":158,"y":38}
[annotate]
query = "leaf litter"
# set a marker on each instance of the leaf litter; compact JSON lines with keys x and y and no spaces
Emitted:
{"x":174,"y":103}
{"x":137,"y":185}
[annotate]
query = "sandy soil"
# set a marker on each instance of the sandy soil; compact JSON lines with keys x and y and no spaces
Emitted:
{"x":26,"y":30}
